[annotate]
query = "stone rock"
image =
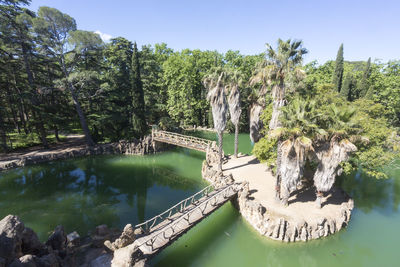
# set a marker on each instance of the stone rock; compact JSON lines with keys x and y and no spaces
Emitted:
{"x":25,"y":261}
{"x":49,"y":260}
{"x":11,"y":229}
{"x":30,"y":242}
{"x":127,"y":237}
{"x":102,"y":230}
{"x":102,"y":261}
{"x":58,"y":239}
{"x":73,"y":239}
{"x":2,"y":262}
{"x":102,"y":233}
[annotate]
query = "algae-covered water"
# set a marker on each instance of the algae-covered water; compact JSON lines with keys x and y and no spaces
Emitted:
{"x":116,"y":190}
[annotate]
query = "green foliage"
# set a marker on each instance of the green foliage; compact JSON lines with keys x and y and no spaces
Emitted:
{"x":364,"y":84}
{"x":338,"y":74}
{"x":183,"y":75}
{"x":139,"y":126}
{"x":265,"y":151}
{"x":348,"y":87}
{"x":167,"y":124}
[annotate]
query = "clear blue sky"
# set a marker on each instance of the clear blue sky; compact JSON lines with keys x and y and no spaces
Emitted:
{"x":367,"y":28}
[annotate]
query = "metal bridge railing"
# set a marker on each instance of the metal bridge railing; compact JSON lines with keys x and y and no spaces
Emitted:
{"x":180,"y":138}
{"x":178,"y":208}
{"x":225,"y":192}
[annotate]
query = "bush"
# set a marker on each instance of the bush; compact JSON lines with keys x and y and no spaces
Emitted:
{"x":265,"y":151}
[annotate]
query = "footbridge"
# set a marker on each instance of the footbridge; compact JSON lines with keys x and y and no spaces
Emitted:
{"x":190,"y":142}
{"x":163,"y":229}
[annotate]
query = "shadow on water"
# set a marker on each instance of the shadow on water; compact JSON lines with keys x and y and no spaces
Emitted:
{"x":86,"y":192}
{"x":370,"y":193}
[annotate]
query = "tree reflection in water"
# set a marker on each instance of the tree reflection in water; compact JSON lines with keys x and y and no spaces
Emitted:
{"x":83,"y":193}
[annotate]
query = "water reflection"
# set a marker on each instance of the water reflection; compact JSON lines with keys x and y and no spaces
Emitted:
{"x":370,"y":193}
{"x":83,"y":193}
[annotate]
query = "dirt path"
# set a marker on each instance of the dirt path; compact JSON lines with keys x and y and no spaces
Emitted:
{"x":73,"y":141}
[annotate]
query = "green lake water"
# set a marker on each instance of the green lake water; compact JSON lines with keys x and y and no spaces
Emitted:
{"x":116,"y":190}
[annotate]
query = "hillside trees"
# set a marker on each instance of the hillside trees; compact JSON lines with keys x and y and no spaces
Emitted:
{"x":183,"y":74}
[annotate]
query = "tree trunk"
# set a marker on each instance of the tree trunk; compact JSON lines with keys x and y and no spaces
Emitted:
{"x":278,"y":95}
{"x":220,"y":141}
{"x":278,"y":172}
{"x":39,"y":122}
{"x":78,"y":108}
{"x":255,"y":123}
{"x":236,"y":139}
{"x":56,"y":134}
{"x":3,"y":137}
{"x":330,"y":155}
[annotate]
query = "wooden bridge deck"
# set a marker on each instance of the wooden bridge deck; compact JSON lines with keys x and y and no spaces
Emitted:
{"x":165,"y":228}
{"x":190,"y":142}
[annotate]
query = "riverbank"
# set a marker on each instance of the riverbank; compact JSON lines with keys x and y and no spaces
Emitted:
{"x":301,"y":220}
{"x":75,"y":147}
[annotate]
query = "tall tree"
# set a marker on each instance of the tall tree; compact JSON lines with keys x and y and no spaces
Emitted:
{"x":53,"y":28}
{"x":234,"y":79}
{"x":338,"y":74}
{"x":217,"y":98}
{"x":348,"y":87}
{"x":116,"y":101}
{"x":364,"y":84}
{"x":19,"y":22}
{"x":138,"y":108}
{"x":282,"y":71}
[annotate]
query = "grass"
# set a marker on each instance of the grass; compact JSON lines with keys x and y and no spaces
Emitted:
{"x":22,"y":140}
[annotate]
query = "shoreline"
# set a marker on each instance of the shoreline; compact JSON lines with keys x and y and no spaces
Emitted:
{"x":137,"y":147}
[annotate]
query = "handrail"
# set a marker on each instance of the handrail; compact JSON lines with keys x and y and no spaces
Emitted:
{"x":158,"y":133}
{"x":183,"y":217}
{"x":182,"y":205}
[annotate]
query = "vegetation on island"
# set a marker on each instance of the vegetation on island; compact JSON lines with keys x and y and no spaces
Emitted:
{"x":329,"y":118}
{"x":328,"y":131}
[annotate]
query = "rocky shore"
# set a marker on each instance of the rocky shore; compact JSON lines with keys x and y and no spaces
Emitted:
{"x":20,"y":246}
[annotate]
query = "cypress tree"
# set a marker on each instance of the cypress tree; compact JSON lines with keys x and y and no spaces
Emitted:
{"x":138,"y":107}
{"x":363,"y":88}
{"x":338,"y":74}
{"x":346,"y":91}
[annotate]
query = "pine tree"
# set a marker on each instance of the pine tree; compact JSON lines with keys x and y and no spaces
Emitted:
{"x":338,"y":74}
{"x":138,"y":107}
{"x":363,"y":88}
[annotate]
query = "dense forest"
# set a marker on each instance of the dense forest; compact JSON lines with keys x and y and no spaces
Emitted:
{"x":57,"y":79}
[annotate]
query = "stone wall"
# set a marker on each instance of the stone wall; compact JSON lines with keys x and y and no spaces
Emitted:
{"x":285,"y":229}
{"x":271,"y":225}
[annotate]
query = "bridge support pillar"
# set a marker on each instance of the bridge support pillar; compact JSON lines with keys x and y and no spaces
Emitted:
{"x":128,"y":256}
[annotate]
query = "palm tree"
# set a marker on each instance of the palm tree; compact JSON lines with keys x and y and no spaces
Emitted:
{"x":234,"y":79}
{"x":257,"y":98}
{"x":297,"y":133}
{"x":217,"y":98}
{"x":280,"y":71}
{"x":335,"y":148}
